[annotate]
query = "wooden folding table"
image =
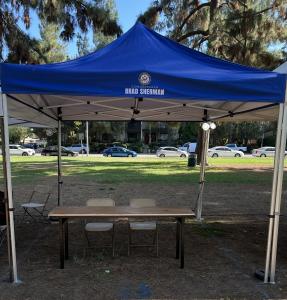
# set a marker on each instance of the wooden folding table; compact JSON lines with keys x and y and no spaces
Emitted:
{"x":156,"y":213}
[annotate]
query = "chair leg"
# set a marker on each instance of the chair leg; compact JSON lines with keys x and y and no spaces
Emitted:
{"x":87,"y":237}
{"x":2,"y":236}
{"x":24,"y":215}
{"x":40,"y":213}
{"x":113,"y":240}
{"x":129,"y":240}
{"x":29,"y":214}
{"x":156,"y":240}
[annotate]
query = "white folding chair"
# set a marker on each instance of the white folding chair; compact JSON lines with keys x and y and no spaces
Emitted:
{"x":143,"y":225}
{"x":101,"y":226}
{"x":36,"y":205}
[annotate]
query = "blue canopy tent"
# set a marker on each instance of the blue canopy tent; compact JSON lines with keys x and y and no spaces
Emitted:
{"x":145,"y":76}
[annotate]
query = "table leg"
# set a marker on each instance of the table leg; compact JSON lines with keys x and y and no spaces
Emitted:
{"x":62,"y":243}
{"x":66,"y":239}
{"x":177,"y":238}
{"x":181,"y":243}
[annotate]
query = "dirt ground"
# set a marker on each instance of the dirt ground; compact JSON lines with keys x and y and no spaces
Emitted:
{"x":221,"y":256}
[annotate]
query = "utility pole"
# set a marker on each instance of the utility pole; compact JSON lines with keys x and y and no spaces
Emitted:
{"x":87,"y":137}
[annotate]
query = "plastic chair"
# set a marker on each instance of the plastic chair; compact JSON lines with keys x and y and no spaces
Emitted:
{"x":36,"y":206}
{"x":143,"y":225}
{"x":101,"y":226}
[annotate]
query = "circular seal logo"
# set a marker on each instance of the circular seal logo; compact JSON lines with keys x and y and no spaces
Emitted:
{"x":144,"y":78}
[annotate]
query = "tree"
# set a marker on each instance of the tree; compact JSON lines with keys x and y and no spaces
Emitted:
{"x":188,"y":132}
{"x":18,"y":134}
{"x":51,"y":48}
{"x":100,"y":39}
{"x":83,"y":45}
{"x":68,"y":15}
{"x":251,"y":32}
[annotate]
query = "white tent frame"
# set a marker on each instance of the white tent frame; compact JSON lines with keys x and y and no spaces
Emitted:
{"x":271,"y":253}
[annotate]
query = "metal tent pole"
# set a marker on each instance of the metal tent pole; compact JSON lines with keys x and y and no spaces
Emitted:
{"x":205,"y":138}
{"x":87,"y":137}
{"x":279,"y":192}
{"x":60,"y":182}
{"x":7,"y":171}
{"x":6,"y":200}
{"x":274,"y":188}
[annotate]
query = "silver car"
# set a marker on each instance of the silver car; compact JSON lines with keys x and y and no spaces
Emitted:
{"x":222,"y":151}
{"x":20,"y":150}
{"x":265,"y":152}
{"x":171,"y":151}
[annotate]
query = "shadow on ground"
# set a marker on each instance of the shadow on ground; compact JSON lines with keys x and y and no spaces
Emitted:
{"x":220,"y":261}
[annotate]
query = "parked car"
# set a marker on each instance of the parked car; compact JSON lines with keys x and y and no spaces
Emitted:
{"x":171,"y":151}
{"x":188,"y":147}
{"x":235,"y":147}
{"x":222,"y":151}
{"x":53,"y":151}
{"x":38,"y":148}
{"x":80,"y":148}
{"x":20,"y":150}
{"x":119,"y":152}
{"x":265,"y":152}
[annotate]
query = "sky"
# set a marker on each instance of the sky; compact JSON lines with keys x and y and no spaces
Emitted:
{"x":128,"y":11}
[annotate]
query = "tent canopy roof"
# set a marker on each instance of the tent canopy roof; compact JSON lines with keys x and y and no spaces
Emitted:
{"x":145,"y":76}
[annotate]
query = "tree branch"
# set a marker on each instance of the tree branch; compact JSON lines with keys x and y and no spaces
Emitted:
{"x":254,"y":14}
{"x":192,"y":12}
{"x":191,"y":33}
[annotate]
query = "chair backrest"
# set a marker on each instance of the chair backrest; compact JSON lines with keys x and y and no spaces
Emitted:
{"x":100,"y":202}
{"x":142,"y":202}
{"x":41,"y":193}
{"x":42,"y":189}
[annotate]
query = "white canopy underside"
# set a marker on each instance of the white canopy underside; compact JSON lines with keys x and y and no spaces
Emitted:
{"x":23,"y":123}
{"x":43,"y":109}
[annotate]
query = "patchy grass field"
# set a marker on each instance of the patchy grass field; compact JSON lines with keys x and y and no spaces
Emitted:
{"x":142,"y":169}
{"x":222,"y":252}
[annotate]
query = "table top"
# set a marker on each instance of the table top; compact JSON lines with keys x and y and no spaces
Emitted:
{"x":120,"y":211}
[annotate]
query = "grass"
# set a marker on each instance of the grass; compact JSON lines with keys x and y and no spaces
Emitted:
{"x":142,"y":169}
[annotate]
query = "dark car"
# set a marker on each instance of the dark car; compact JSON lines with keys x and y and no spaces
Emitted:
{"x":53,"y":151}
{"x":38,"y":148}
{"x":119,"y":152}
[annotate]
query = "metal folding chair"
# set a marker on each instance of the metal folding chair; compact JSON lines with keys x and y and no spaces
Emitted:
{"x":143,"y":225}
{"x":101,"y":226}
{"x":36,"y":207}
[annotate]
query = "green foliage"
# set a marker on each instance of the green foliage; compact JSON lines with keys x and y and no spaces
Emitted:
{"x":250,"y":32}
{"x":51,"y":47}
{"x":83,"y":45}
{"x":17,"y":134}
{"x":188,"y":132}
{"x":244,"y":31}
{"x":243,"y":133}
{"x":69,"y":15}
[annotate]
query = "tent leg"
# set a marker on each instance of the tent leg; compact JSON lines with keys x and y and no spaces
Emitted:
{"x":198,"y":209}
{"x":8,"y":186}
{"x":273,"y":196}
{"x":60,"y":182}
{"x":87,"y":138}
{"x":281,"y":157}
{"x":6,"y":202}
